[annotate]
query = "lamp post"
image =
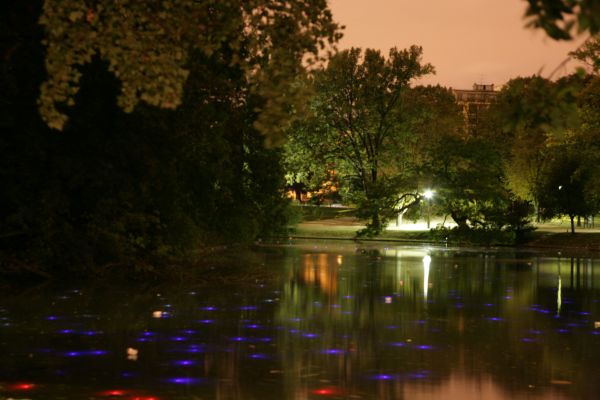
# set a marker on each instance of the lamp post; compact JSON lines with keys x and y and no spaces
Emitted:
{"x":428,"y":195}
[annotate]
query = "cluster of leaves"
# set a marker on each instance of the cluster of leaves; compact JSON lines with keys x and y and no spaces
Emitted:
{"x":356,"y":125}
{"x":147,"y":45}
{"x":139,"y":189}
{"x":560,"y":19}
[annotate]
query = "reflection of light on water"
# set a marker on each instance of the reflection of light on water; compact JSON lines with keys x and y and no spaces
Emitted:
{"x":426,"y":263}
{"x":559,"y":296}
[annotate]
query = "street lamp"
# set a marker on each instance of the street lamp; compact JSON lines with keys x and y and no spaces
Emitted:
{"x":428,"y":195}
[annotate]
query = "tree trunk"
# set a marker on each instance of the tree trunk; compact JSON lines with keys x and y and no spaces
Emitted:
{"x":572,"y":223}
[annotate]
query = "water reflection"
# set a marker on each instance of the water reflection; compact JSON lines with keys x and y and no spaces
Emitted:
{"x":342,"y":322}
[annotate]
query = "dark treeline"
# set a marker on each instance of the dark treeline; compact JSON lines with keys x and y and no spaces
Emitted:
{"x":127,"y":189}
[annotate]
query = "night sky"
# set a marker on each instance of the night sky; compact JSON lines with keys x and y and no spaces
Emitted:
{"x":466,"y":40}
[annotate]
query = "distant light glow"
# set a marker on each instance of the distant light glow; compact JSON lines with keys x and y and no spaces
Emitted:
{"x":428,"y":194}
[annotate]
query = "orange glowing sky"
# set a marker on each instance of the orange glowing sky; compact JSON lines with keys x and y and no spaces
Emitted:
{"x":467,"y":41}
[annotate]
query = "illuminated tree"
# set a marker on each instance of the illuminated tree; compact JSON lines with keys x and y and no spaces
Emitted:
{"x":359,"y":108}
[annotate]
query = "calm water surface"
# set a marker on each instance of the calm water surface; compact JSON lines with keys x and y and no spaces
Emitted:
{"x":339,"y":322}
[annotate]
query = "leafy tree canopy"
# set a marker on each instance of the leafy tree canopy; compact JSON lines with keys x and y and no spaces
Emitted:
{"x":560,"y":19}
{"x":147,"y":46}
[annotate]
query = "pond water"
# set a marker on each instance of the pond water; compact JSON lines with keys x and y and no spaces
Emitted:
{"x":339,"y":321}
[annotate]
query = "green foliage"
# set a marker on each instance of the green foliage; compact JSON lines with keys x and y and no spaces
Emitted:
{"x":589,"y":53}
{"x":560,"y":19}
{"x":467,"y":175}
{"x":356,"y":126}
{"x":137,"y":190}
{"x":148,"y":45}
{"x":564,"y":188}
{"x":529,"y":115}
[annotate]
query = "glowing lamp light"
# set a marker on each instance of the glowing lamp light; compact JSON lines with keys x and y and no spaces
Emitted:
{"x":428,"y":194}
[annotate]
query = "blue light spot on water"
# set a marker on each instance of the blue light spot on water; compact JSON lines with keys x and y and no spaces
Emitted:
{"x":248,"y":308}
{"x":348,"y":297}
{"x":391,"y":327}
{"x":398,"y":344}
{"x":563,"y":331}
{"x":184,"y":363}
{"x":495,"y":319}
{"x":310,"y":335}
{"x":85,"y":353}
{"x":258,"y":356}
{"x":66,"y":331}
{"x":382,"y":377}
{"x":91,"y":333}
{"x":189,"y":332}
{"x":418,"y":375}
{"x":239,"y":339}
{"x":264,"y":339}
{"x":206,"y":321}
{"x":178,"y":339}
{"x":52,"y":318}
{"x":145,"y":340}
{"x":333,"y":351}
{"x":489,"y":305}
{"x":209,"y":308}
{"x":252,"y":326}
{"x":184,"y":381}
{"x":424,"y":347}
{"x":528,"y":340}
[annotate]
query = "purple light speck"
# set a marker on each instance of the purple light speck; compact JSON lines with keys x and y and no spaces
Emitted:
{"x":425,"y":347}
{"x":418,"y":375}
{"x":398,"y":344}
{"x":563,"y":331}
{"x":248,"y":308}
{"x":310,"y":335}
{"x":333,"y":351}
{"x":184,"y":381}
{"x":252,"y":326}
{"x":66,"y":331}
{"x":258,"y":356}
{"x":488,"y":305}
{"x":52,"y":318}
{"x":382,"y":377}
{"x":528,"y":340}
{"x":206,"y":321}
{"x":239,"y":339}
{"x":495,"y":319}
{"x":209,"y":308}
{"x":184,"y":363}
{"x":178,"y":339}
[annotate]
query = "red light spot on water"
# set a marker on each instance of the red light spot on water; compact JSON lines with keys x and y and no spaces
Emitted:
{"x":113,"y":393}
{"x":22,"y":386}
{"x":328,"y":391}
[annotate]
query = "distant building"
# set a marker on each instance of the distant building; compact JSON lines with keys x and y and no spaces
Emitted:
{"x":474,"y":102}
